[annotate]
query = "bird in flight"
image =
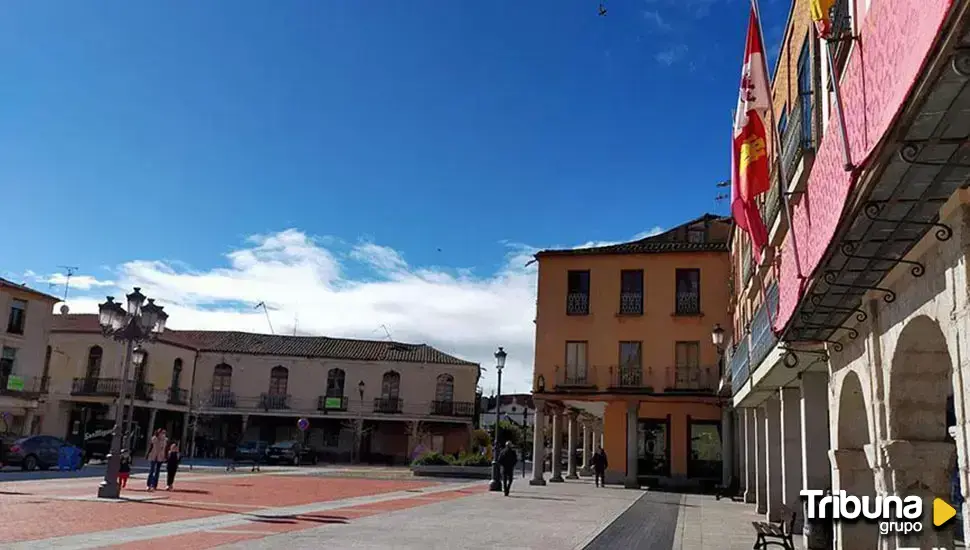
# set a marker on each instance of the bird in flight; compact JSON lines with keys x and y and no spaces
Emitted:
{"x":602,"y":10}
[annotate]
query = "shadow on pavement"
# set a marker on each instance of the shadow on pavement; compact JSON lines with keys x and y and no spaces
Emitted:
{"x":252,"y":516}
{"x":533,"y":497}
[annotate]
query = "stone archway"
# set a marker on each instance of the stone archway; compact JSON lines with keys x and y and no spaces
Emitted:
{"x":852,"y":472}
{"x":918,"y":457}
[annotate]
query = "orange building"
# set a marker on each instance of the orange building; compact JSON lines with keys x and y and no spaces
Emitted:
{"x":624,"y":353}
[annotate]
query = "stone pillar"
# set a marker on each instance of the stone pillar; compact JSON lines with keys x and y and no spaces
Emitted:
{"x":358,"y":437}
{"x":587,"y":469}
{"x":601,"y":439}
{"x":151,"y":421}
{"x":853,"y":475}
{"x":749,"y":456}
{"x":727,"y":445}
{"x":28,"y":422}
{"x":815,"y":441}
{"x":572,"y":418}
{"x":632,"y":418}
{"x":538,"y":445}
{"x":185,"y":444}
{"x":761,"y":466}
{"x":556,"y":447}
{"x":413,"y":438}
{"x":773,"y":457}
{"x":791,"y":453}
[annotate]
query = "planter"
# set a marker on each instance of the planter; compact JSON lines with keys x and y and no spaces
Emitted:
{"x":471,"y":472}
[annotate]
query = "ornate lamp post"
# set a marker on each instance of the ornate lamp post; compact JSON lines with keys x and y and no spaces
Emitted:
{"x":717,"y":338}
{"x":141,"y":322}
{"x":496,"y":484}
{"x":359,"y":431}
{"x":138,"y":355}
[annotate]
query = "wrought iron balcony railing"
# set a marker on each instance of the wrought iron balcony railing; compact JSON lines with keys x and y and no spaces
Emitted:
{"x":629,"y":378}
{"x":26,"y":387}
{"x":631,"y":303}
{"x":841,"y":40}
{"x":797,"y":139}
{"x":274,"y":401}
{"x":221,"y":399}
{"x":388,"y":405}
{"x":577,"y":303}
{"x":694,"y":379}
{"x":688,"y":303}
{"x":331,"y":403}
{"x":772,"y":205}
{"x":452,"y":408}
{"x":111,"y":387}
{"x":575,"y":377}
{"x":178,"y":396}
{"x":763,"y":338}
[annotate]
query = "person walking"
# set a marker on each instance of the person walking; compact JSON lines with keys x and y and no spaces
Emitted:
{"x":124,"y":470}
{"x":156,"y":455}
{"x":599,"y":467}
{"x":172,"y":464}
{"x":507,"y":459}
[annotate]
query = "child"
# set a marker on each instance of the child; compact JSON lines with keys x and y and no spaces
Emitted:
{"x":124,"y":470}
{"x":173,"y":464}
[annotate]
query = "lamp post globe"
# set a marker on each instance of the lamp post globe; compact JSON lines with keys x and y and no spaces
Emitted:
{"x":496,"y":484}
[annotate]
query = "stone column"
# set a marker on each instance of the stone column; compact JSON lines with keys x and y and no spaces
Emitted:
{"x":814,"y":425}
{"x":28,"y":422}
{"x":749,"y":455}
{"x":761,"y":466}
{"x":587,"y":443}
{"x":556,"y":447}
{"x":358,"y":437}
{"x":572,"y":418}
{"x":151,"y":421}
{"x":773,"y":457}
{"x":853,"y":475}
{"x":727,"y":445}
{"x":538,"y":445}
{"x":601,"y":439}
{"x":185,"y":445}
{"x":791,"y":453}
{"x":632,"y":418}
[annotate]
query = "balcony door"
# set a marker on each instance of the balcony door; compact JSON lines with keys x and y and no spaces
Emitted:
{"x":222,"y":379}
{"x":687,"y":369}
{"x":391,"y":386}
{"x":279,"y":378}
{"x":576,"y":367}
{"x":444,"y":394}
{"x":631,"y":365}
{"x":93,"y":369}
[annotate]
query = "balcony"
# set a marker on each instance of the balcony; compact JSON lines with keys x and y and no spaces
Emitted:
{"x":452,"y":408}
{"x":688,"y":303}
{"x":740,"y":364}
{"x":841,"y":33}
{"x":274,"y":401}
{"x":797,"y":139}
{"x":25,"y":387}
{"x":575,"y":378}
{"x":692,"y":379}
{"x":772,"y":204}
{"x":111,"y":387}
{"x":628,"y":378}
{"x":631,"y":303}
{"x":178,"y":396}
{"x":331,"y":403}
{"x":763,"y":339}
{"x":388,"y":405}
{"x":221,"y":399}
{"x":577,"y":303}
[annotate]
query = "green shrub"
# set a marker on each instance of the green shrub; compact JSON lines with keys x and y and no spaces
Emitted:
{"x":473,"y":460}
{"x":432,"y":458}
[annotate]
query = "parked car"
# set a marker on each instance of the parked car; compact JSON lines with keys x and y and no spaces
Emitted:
{"x":6,"y":440}
{"x":290,"y":452}
{"x":36,"y":451}
{"x":251,"y":451}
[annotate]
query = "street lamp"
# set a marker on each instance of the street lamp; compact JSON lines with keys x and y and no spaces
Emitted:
{"x":496,"y":484}
{"x":717,"y":338}
{"x":359,"y":431}
{"x":141,"y":322}
{"x":137,"y":359}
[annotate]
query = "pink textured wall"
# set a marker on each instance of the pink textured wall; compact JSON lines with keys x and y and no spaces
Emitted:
{"x":895,"y":40}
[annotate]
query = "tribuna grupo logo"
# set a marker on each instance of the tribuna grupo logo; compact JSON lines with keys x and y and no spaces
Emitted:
{"x":894,"y":514}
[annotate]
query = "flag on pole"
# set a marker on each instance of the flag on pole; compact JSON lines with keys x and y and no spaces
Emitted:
{"x":749,"y":155}
{"x":822,"y":15}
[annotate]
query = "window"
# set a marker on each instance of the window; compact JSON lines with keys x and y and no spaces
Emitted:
{"x":688,"y":292}
{"x":222,"y":378}
{"x":335,"y":382}
{"x":805,"y":93}
{"x":391,"y":385}
{"x":177,"y":374}
{"x":631,"y":292}
{"x":631,"y":366}
{"x":575,"y":363}
{"x":94,"y":362}
{"x":687,"y":357}
{"x":783,"y":121}
{"x":278,"y":380}
{"x":7,"y":360}
{"x":445,"y":388}
{"x":18,"y":316}
{"x":577,"y":293}
{"x":697,"y":234}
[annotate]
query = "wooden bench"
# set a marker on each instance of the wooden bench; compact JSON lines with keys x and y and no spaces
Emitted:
{"x":732,"y":490}
{"x":776,"y":533}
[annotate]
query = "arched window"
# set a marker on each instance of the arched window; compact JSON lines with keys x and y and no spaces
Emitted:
{"x":278,"y":379}
{"x":391,"y":385}
{"x":177,"y":374}
{"x":445,"y":388}
{"x":222,"y":378}
{"x":94,"y":362}
{"x":335,"y":383}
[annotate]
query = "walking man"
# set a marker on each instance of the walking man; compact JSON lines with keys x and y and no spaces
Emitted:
{"x":599,"y":467}
{"x":507,"y":459}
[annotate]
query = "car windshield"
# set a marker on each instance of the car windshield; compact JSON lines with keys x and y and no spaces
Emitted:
{"x":285,"y":444}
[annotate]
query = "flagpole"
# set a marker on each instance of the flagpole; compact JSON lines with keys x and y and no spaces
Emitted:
{"x":782,"y":176}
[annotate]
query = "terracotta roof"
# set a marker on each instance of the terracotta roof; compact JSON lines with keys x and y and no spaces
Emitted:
{"x":281,"y":345}
{"x":668,"y":241}
{"x":7,"y":283}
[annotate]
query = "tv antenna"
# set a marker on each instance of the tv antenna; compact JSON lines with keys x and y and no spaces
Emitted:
{"x":386,"y":332}
{"x":69,"y":272}
{"x":266,"y":311}
{"x":721,"y":197}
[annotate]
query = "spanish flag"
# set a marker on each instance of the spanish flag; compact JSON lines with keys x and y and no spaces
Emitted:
{"x":822,"y":15}
{"x":749,"y":158}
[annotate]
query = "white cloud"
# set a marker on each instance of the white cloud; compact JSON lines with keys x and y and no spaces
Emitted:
{"x":656,"y":20}
{"x":297,"y":275}
{"x":643,"y":234}
{"x":78,"y":282}
{"x":672,"y":54}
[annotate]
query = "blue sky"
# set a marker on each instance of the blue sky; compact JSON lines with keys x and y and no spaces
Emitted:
{"x":330,"y":157}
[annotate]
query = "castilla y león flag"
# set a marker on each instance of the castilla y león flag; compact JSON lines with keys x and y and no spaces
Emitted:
{"x":749,"y":155}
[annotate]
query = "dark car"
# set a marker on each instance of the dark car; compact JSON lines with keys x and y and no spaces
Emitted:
{"x":290,"y":452}
{"x":251,"y":451}
{"x":37,"y":451}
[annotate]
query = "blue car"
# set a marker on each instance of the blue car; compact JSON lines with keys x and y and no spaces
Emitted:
{"x":37,"y":452}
